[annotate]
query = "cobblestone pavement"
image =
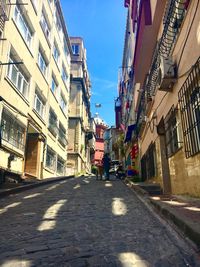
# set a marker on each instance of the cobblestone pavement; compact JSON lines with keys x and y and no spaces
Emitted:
{"x":84,"y":222}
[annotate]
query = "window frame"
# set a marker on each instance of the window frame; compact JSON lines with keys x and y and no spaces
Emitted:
{"x":14,"y":130}
{"x":53,"y":122}
{"x":51,"y":156}
{"x":45,"y":25}
{"x":20,"y":18}
{"x":41,"y":59}
{"x":38,"y":97}
{"x":75,"y":49}
{"x":20,"y":76}
{"x":189,"y":101}
{"x":60,"y":161}
{"x":172,"y":132}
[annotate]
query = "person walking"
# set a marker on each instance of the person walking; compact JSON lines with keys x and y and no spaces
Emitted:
{"x":99,"y":170}
{"x":106,"y":166}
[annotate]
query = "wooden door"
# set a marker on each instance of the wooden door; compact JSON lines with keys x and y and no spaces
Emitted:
{"x":31,"y":161}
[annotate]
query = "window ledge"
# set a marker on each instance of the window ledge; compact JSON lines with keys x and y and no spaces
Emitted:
{"x":63,"y":112}
{"x":49,"y":170}
{"x":38,"y":115}
{"x":17,"y":91}
{"x":12,"y":149}
{"x":51,"y":136}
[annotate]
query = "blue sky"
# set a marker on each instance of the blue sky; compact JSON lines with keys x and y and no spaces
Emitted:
{"x":101,"y":23}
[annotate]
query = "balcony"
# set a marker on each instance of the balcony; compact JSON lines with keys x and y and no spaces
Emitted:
{"x":174,"y":15}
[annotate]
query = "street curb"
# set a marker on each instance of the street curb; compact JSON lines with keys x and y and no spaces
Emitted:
{"x":38,"y":183}
{"x":171,"y":216}
{"x":185,"y":228}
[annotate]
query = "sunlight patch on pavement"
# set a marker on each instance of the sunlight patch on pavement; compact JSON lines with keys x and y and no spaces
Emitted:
{"x":86,"y":181}
{"x":77,"y":186}
{"x":132,"y":259}
{"x":16,"y":262}
{"x":52,"y":187}
{"x":47,"y":225}
{"x":13,"y":205}
{"x":108,"y":184}
{"x":118,"y":207}
{"x":192,"y":208}
{"x":175,"y":203}
{"x":50,"y":215}
{"x":33,"y":195}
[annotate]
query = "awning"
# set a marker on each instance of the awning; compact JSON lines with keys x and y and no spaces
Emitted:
{"x":130,"y":129}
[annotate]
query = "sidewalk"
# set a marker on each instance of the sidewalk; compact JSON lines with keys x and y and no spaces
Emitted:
{"x":182,"y":211}
{"x":13,"y":188}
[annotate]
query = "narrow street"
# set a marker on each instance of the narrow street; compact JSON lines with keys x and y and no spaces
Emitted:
{"x":84,"y":222}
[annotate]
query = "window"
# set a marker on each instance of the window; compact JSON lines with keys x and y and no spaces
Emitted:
{"x":53,"y":122}
{"x":64,"y":74}
{"x":56,"y":53}
{"x":60,"y":165}
{"x":58,"y":22}
{"x":45,"y":26}
{"x":66,"y":50}
{"x":23,"y":26}
{"x":54,"y":85}
{"x":50,"y":158}
{"x":39,"y":104}
{"x":62,"y":135}
{"x":189,"y":100}
{"x":148,"y":163}
{"x":75,"y":49}
{"x":172,"y":132}
{"x":42,"y":63}
{"x":12,"y":131}
{"x":63,"y":103}
{"x":17,"y":76}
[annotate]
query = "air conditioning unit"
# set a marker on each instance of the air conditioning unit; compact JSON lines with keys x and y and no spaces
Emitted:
{"x":166,"y":74}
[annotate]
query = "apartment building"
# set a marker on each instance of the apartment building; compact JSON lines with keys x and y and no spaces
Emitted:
{"x":166,"y":93}
{"x":99,"y":142}
{"x":80,"y":124}
{"x":34,"y":89}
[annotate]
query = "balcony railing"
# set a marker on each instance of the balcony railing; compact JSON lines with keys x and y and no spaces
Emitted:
{"x":174,"y":16}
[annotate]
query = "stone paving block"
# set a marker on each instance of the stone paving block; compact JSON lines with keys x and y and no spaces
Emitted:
{"x":89,"y":229}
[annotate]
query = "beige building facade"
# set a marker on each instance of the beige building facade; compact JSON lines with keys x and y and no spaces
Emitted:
{"x":34,"y":89}
{"x":80,"y":123}
{"x":166,"y":93}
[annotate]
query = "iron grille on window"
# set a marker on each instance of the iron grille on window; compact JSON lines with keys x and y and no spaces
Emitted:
{"x":172,"y":132}
{"x":53,"y":128}
{"x":189,"y":100}
{"x":50,"y":158}
{"x":60,"y":166}
{"x":148,"y":163}
{"x":12,"y":131}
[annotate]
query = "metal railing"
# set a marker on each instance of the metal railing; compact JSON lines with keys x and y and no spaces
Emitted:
{"x":4,"y":9}
{"x":174,"y":15}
